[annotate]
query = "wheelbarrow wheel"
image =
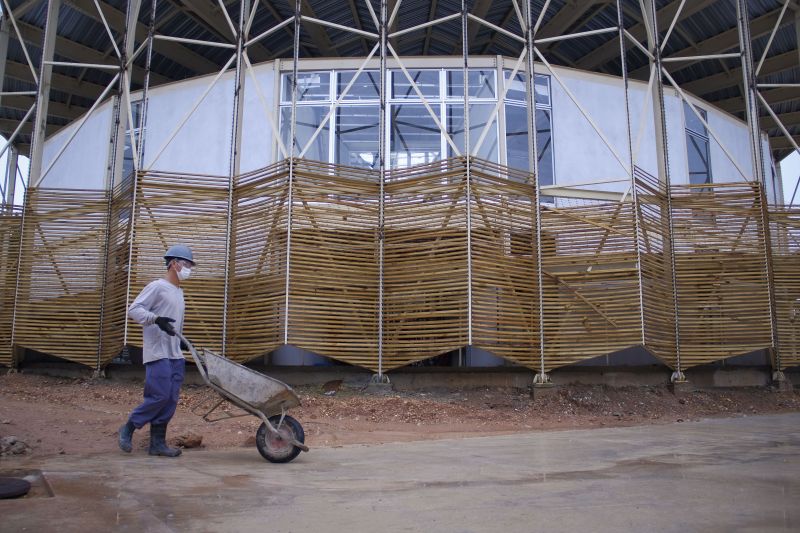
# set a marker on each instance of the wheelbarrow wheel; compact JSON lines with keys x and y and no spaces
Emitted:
{"x":278,"y":448}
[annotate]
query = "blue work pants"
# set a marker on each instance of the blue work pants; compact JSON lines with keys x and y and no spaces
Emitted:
{"x":162,"y":387}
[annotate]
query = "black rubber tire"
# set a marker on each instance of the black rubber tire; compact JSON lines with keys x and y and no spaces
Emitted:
{"x":279,"y":450}
{"x":12,"y":487}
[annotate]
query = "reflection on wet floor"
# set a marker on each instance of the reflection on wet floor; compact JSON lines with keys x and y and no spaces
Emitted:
{"x":716,"y":475}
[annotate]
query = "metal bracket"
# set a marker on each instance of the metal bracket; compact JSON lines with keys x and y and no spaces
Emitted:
{"x":677,"y":377}
{"x":542,"y":378}
{"x":379,"y":378}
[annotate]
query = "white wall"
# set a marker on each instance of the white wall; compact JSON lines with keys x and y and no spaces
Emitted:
{"x":257,"y":134}
{"x":733,"y":135}
{"x":202,"y":145}
{"x":580,"y":154}
{"x":83,"y":165}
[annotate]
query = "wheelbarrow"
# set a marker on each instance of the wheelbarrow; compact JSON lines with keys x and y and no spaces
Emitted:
{"x":280,"y":437}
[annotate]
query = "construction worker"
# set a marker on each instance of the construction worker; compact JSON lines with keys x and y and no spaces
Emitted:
{"x":159,"y":309}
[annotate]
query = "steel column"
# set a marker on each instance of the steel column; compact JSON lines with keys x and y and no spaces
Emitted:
{"x":5,"y":32}
{"x":533,"y":162}
{"x":382,"y":143}
{"x":468,"y":153}
{"x":140,"y":154}
{"x":121,"y":111}
{"x":662,"y":156}
{"x":235,"y":157}
{"x":749,"y":89}
{"x":757,"y":157}
{"x":292,"y":149}
{"x":11,"y":176}
{"x":43,"y":91}
{"x":628,"y":131}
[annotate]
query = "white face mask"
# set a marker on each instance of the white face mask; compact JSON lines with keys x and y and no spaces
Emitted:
{"x":184,"y":273}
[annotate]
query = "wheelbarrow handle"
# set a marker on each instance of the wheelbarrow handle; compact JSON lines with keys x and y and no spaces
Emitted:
{"x":197,"y":360}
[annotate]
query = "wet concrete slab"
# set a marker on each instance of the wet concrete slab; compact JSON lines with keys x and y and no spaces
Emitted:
{"x":738,"y":474}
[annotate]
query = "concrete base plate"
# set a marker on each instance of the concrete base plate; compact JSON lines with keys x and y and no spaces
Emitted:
{"x":680,"y":388}
{"x":543,"y":390}
{"x":783,"y":385}
{"x":374,"y":387}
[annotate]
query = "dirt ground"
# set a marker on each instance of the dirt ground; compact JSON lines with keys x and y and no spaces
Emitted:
{"x":71,"y":416}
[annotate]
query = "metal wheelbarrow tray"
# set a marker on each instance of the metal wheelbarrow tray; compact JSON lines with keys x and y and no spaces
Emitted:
{"x":280,"y":438}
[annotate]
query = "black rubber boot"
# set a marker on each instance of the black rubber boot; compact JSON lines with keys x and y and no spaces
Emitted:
{"x":158,"y":442}
{"x":125,"y":436}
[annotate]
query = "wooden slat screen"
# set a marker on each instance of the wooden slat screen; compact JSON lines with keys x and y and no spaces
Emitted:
{"x":183,"y":209}
{"x":658,"y":301}
{"x":333,"y":283}
{"x":590,"y":280}
{"x":721,"y":271}
{"x":504,"y":284}
{"x":61,"y":273}
{"x":112,"y":339}
{"x":10,"y":226}
{"x":785,"y":239}
{"x":425,"y":251}
{"x":258,"y":263}
{"x":595,"y":299}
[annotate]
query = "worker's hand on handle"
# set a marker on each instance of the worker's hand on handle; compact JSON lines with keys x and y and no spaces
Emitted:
{"x":165,"y":324}
{"x":184,"y":347}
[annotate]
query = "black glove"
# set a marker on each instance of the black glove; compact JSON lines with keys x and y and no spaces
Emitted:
{"x":184,"y":347}
{"x":165,"y":325}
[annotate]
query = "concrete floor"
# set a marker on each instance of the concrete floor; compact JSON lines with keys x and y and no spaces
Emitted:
{"x":717,"y":475}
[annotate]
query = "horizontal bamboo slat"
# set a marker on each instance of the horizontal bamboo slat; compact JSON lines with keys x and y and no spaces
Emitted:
{"x":10,"y":226}
{"x":785,"y":240}
{"x":112,"y":339}
{"x":656,"y":272}
{"x":721,"y":272}
{"x":425,"y":253}
{"x":257,"y":289}
{"x":61,"y":273}
{"x":188,"y":209}
{"x":505,"y":307}
{"x":334,"y":269}
{"x":590,"y":281}
{"x":596,"y":297}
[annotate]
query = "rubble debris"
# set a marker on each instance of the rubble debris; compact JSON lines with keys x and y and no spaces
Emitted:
{"x":13,"y":446}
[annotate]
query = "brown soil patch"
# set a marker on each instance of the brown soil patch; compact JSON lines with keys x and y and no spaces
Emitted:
{"x":59,"y":415}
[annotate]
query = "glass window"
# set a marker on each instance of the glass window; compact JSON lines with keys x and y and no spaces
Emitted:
{"x":357,"y":135}
{"x":311,"y":86}
{"x":308,"y":119}
{"x":697,"y":146}
{"x":699,"y":164}
{"x":517,"y":141}
{"x":127,"y":157}
{"x":481,"y":83}
{"x":426,"y":80}
{"x":415,"y":138}
{"x":366,"y":86}
{"x":693,"y":123}
{"x":478,"y":117}
{"x":516,"y":91}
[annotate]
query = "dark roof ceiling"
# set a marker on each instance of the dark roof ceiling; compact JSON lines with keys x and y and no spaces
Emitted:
{"x":704,"y":27}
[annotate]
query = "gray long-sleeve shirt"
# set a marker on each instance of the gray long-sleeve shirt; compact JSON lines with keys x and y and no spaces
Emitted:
{"x":159,"y":298}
